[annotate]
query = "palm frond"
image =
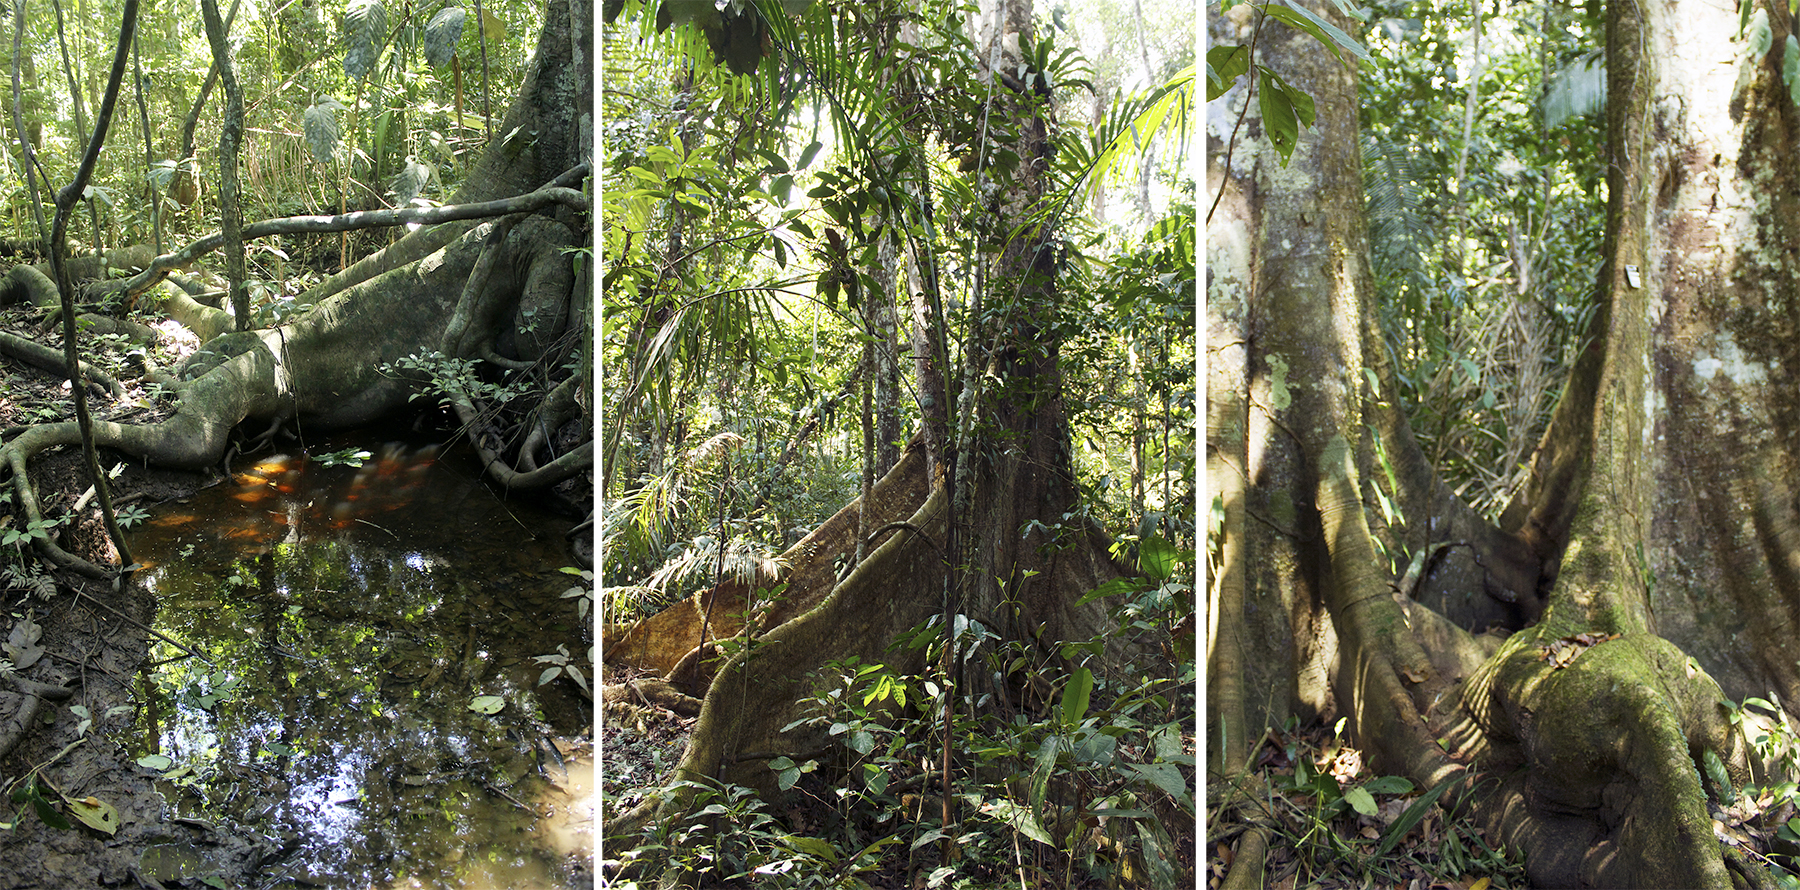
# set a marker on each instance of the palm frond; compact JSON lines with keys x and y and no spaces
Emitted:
{"x":1578,"y":88}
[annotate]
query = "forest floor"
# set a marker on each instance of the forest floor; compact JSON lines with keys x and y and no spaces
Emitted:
{"x":93,"y":639}
{"x":1302,"y":797}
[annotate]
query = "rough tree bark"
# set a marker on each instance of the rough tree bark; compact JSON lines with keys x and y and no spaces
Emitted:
{"x":1658,"y":520}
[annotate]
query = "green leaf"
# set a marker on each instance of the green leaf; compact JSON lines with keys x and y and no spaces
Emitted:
{"x":1021,"y":819}
{"x":45,"y":811}
{"x":875,"y":778}
{"x":1412,"y":816}
{"x":441,"y":34}
{"x":1156,"y":558}
{"x":1111,"y":588}
{"x":1715,"y":771}
{"x":1284,"y":109}
{"x":1790,"y":68}
{"x":1761,"y":36}
{"x":487,"y":704}
{"x":1075,"y":696}
{"x":1042,"y":770}
{"x":1360,"y":800}
{"x":818,"y":848}
{"x":320,"y":125}
{"x":806,"y":157}
{"x":1166,"y":776}
{"x":1389,"y":785}
{"x":1278,"y":116}
{"x":1224,"y":65}
{"x":1326,"y":32}
{"x":365,"y":32}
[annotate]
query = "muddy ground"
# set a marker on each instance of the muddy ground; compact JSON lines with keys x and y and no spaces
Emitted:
{"x":93,"y":640}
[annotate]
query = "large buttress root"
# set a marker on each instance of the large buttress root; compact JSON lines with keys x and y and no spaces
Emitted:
{"x":325,"y":370}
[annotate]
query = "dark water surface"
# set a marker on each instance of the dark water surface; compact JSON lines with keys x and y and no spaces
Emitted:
{"x":353,"y":616}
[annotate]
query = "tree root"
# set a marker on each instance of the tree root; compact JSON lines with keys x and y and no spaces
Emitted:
{"x":1248,"y":864}
{"x":38,"y":355}
{"x":324,"y":368}
{"x":36,"y":693}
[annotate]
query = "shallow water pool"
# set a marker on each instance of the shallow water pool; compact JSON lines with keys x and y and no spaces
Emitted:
{"x":368,"y":710}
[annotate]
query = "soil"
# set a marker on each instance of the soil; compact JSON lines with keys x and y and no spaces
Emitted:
{"x":94,"y":640}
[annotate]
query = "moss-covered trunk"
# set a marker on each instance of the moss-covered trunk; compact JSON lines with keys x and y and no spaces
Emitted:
{"x":1612,"y":543}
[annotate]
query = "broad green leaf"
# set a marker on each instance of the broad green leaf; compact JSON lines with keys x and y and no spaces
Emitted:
{"x":1389,"y":785}
{"x":806,"y":157}
{"x":1279,"y":121}
{"x":441,"y":34}
{"x":1111,"y":588}
{"x":1156,"y":558}
{"x":1166,"y":776}
{"x":1224,"y":65}
{"x":487,"y":704}
{"x":49,"y":814}
{"x":156,"y":762}
{"x":1075,"y":696}
{"x":365,"y":33}
{"x":1021,"y":819}
{"x":1326,"y":32}
{"x":1715,"y":771}
{"x":320,"y":123}
{"x":1042,"y":770}
{"x":875,"y":778}
{"x":1302,"y":100}
{"x":1360,"y":800}
{"x":1761,"y":36}
{"x":493,"y":29}
{"x":1790,"y":68}
{"x":812,"y":846}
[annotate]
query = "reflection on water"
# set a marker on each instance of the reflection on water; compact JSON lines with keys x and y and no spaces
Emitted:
{"x":351,"y":616}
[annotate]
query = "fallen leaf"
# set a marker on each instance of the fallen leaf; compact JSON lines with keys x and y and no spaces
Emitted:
{"x":96,"y":814}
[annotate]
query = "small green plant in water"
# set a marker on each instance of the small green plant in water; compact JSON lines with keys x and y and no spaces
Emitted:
{"x":346,"y":457}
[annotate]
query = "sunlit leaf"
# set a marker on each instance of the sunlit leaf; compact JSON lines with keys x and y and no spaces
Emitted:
{"x":1156,"y":558}
{"x":321,"y":126}
{"x":365,"y":33}
{"x":441,"y":34}
{"x":487,"y":704}
{"x":96,"y":814}
{"x":1075,"y":696}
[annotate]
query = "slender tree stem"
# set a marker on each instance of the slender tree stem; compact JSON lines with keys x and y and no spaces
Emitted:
{"x":65,"y":202}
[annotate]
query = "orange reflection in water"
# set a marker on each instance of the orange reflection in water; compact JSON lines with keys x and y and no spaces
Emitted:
{"x":286,"y":491}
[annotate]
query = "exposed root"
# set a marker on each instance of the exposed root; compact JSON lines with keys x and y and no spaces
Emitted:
{"x":36,"y":693}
